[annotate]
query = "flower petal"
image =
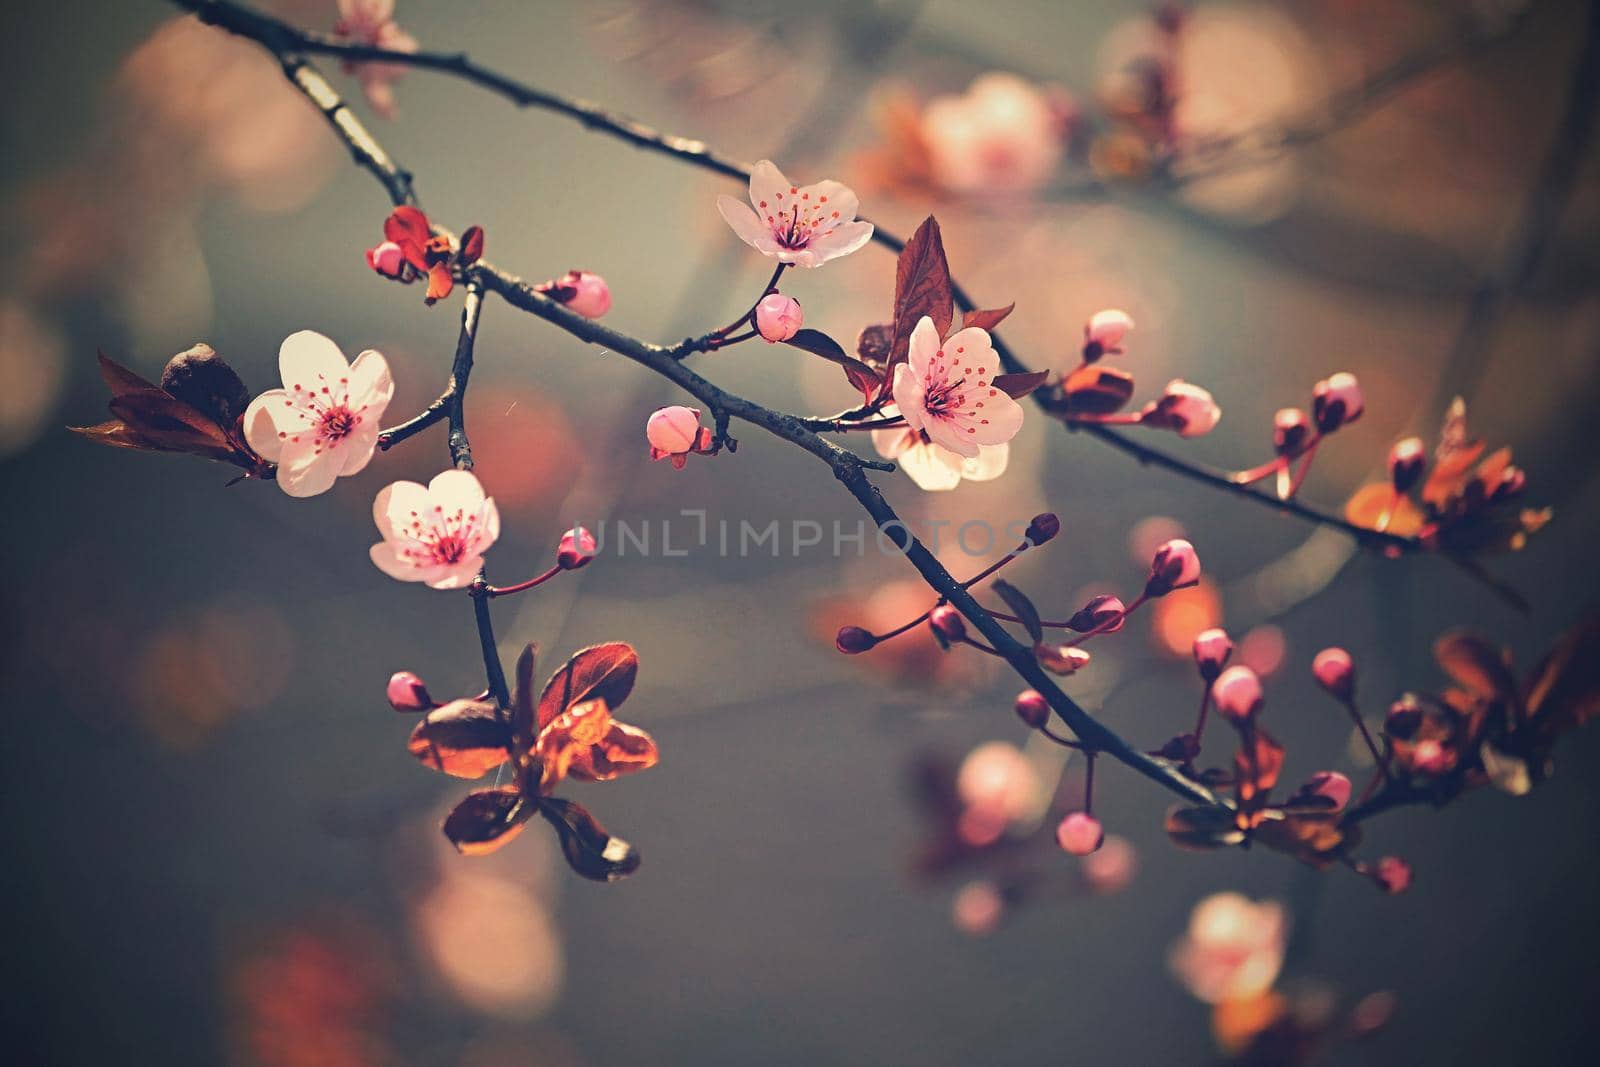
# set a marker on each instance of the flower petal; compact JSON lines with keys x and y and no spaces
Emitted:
{"x":454,"y":489}
{"x":745,"y":222}
{"x":841,"y":242}
{"x":371,"y":384}
{"x":923,"y":347}
{"x":932,"y":468}
{"x":358,"y":448}
{"x":989,"y":464}
{"x":909,"y":396}
{"x":457,"y":575}
{"x":306,"y":357}
{"x":260,"y":425}
{"x":396,"y":505}
{"x":767,"y":183}
{"x":307,"y":469}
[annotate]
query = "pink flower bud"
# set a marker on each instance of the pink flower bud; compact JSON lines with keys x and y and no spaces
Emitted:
{"x":778,"y":317}
{"x":1061,"y":659}
{"x":1407,"y":460}
{"x":1042,"y":529}
{"x":1336,"y":401}
{"x":407,"y":693}
{"x":1175,"y":566}
{"x":673,"y":430}
{"x":1237,"y":692}
{"x":576,"y":550}
{"x":1392,"y":874}
{"x":1185,"y":409}
{"x":1403,"y":719}
{"x":1103,"y":610}
{"x":1032,"y":708}
{"x":853,"y":639}
{"x":387,"y":259}
{"x":1335,"y":671}
{"x":1330,"y":784}
{"x":1104,"y":333}
{"x":1080,"y":834}
{"x":1290,"y":431}
{"x":583,"y":291}
{"x":948,"y":621}
{"x":1211,"y":651}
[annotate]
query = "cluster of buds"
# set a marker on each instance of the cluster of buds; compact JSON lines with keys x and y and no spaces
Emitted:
{"x":1336,"y":402}
{"x":411,"y":250}
{"x":1096,"y":393}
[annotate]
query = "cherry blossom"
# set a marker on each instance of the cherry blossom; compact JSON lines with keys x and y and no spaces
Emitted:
{"x":804,"y":225}
{"x":581,"y":290}
{"x":934,"y":467}
{"x":674,"y":432}
{"x":1001,"y":136}
{"x":778,"y":317}
{"x":436,"y":533}
{"x":371,"y":22}
{"x":324,"y":422}
{"x":1080,"y":834}
{"x":1237,"y":693}
{"x":1234,"y":948}
{"x":945,"y":390}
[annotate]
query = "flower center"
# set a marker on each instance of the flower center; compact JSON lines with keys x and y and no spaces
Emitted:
{"x":941,"y":399}
{"x":449,"y":548}
{"x":337,"y":423}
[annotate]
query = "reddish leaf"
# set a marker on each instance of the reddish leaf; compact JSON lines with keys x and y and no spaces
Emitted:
{"x":439,"y":283}
{"x":1476,"y":665}
{"x":819,"y":344}
{"x":921,"y":287}
{"x":409,"y":228}
{"x":120,"y":379}
{"x":604,"y":672}
{"x":1198,"y":829}
{"x":589,"y":849}
{"x":464,"y":738}
{"x":1564,"y":690}
{"x":586,"y":743}
{"x":487,"y":819}
{"x":1095,"y":389}
{"x":472,"y":244}
{"x":1020,"y":606}
{"x":523,"y":725}
{"x":863,"y":378}
{"x":1257,"y":765}
{"x":986,"y":318}
{"x":1316,"y":839}
{"x":1018,"y":386}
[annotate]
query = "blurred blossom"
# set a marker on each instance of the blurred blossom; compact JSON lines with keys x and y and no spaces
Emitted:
{"x":492,"y":943}
{"x":1263,"y":649}
{"x":1233,"y":949}
{"x":1149,"y":534}
{"x":32,"y":373}
{"x":1000,"y":136}
{"x":1112,"y":868}
{"x":978,"y":908}
{"x":999,"y":782}
{"x":1178,"y":618}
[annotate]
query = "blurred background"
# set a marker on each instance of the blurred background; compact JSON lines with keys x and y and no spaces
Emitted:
{"x":216,"y":848}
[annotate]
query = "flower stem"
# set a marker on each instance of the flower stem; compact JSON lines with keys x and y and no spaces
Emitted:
{"x":506,"y":590}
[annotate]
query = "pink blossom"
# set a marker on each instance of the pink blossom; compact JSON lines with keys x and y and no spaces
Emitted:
{"x":1237,"y":692}
{"x":778,"y":317}
{"x":407,"y":693}
{"x":388,"y":259}
{"x":998,"y":783}
{"x":324,"y":423}
{"x":674,"y":432}
{"x":804,"y":225}
{"x":1111,"y":868}
{"x":1335,"y":671}
{"x":371,"y":22}
{"x":436,"y":533}
{"x":978,"y":908}
{"x":1331,"y":785}
{"x":1032,"y":708}
{"x":1233,"y":949}
{"x":1001,"y":136}
{"x":1080,"y":834}
{"x":1336,"y":401}
{"x":581,"y":290}
{"x":1176,"y":565}
{"x":1211,"y":651}
{"x":933,"y":467}
{"x":1184,"y":408}
{"x":944,"y":390}
{"x":577,"y":548}
{"x":1103,"y":333}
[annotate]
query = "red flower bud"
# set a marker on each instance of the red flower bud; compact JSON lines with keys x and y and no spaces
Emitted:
{"x":1237,"y":692}
{"x":1176,"y":565}
{"x":1336,"y":401}
{"x":948,"y":621}
{"x":1099,"y":611}
{"x":1080,"y":834}
{"x":407,"y":693}
{"x":1032,"y":708}
{"x":1335,"y":671}
{"x":1290,"y":429}
{"x":853,"y":639}
{"x":1042,"y":529}
{"x":1211,"y":651}
{"x":1407,"y":460}
{"x":576,"y":550}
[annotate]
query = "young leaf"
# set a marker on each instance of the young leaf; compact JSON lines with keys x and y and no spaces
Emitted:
{"x":921,"y":287}
{"x":818,"y":344}
{"x":1564,"y":690}
{"x":604,"y":671}
{"x":589,"y":849}
{"x":1197,"y":829}
{"x":1095,"y":389}
{"x":120,"y":379}
{"x":1475,"y":665}
{"x":986,"y":318}
{"x":464,"y":738}
{"x":1021,"y":607}
{"x":522,"y":703}
{"x":1017,"y":386}
{"x":487,"y":819}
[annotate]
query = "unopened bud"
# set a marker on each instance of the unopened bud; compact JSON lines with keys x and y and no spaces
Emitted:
{"x":778,"y":317}
{"x":1174,"y":566}
{"x":1237,"y":692}
{"x":948,"y":621}
{"x":387,"y":259}
{"x":1104,"y":332}
{"x":1335,"y":671}
{"x":1404,"y":718}
{"x":1407,"y":460}
{"x":1080,"y":834}
{"x":853,"y":639}
{"x":1104,"y":610}
{"x":1211,"y":651}
{"x":1042,"y":529}
{"x":576,"y":550}
{"x":1032,"y":708}
{"x":1336,"y":401}
{"x":1061,"y":659}
{"x":583,"y":291}
{"x":1290,"y":431}
{"x":407,"y":693}
{"x":1392,"y":874}
{"x":202,"y":379}
{"x":1331,"y":785}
